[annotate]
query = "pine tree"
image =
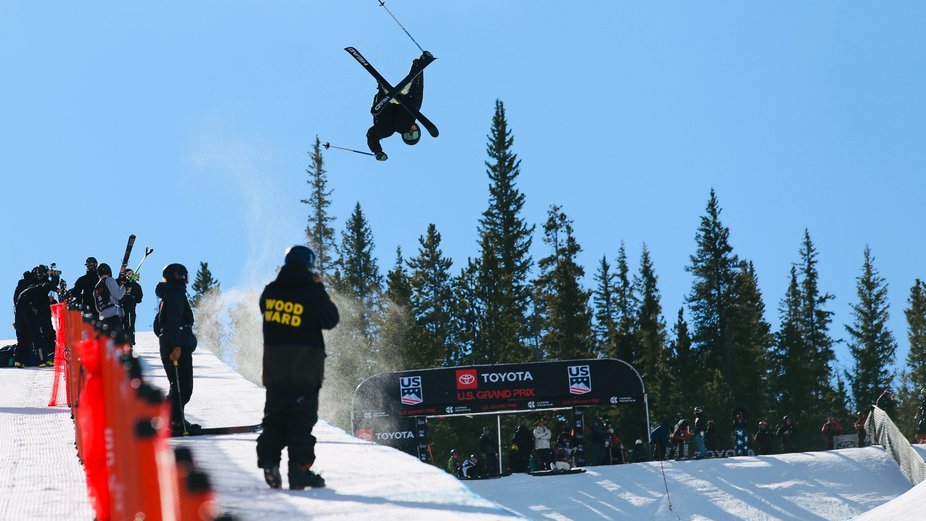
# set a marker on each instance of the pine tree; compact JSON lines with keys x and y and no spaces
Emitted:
{"x":916,"y":333}
{"x":318,"y":232}
{"x":687,"y":375}
{"x":502,"y":268}
{"x":203,"y":282}
{"x":815,"y":324}
{"x":626,"y":307}
{"x":713,"y":293}
{"x":653,"y":360}
{"x":871,"y":343}
{"x":358,"y":277}
{"x":752,"y":342}
{"x":467,"y":308}
{"x":432,"y":305}
{"x":605,"y":306}
{"x":209,"y":327}
{"x":565,"y":316}
{"x":398,"y":320}
{"x":791,"y":382}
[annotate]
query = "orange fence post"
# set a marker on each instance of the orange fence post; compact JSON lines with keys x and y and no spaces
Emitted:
{"x":58,"y":312}
{"x":91,"y":425}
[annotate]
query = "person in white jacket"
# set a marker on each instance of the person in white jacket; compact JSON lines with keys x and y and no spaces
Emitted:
{"x":543,"y":456}
{"x":108,"y":296}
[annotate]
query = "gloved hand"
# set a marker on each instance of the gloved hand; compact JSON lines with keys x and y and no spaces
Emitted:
{"x":175,"y":354}
{"x":381,"y":156}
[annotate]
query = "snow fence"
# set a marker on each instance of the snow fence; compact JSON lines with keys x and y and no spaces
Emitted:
{"x":880,"y":430}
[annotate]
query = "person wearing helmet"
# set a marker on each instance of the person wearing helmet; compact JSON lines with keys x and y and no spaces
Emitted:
{"x":34,"y":311}
{"x":107,"y":298}
{"x":469,"y":467}
{"x":785,"y":434}
{"x":762,"y":439}
{"x":295,"y":308}
{"x":454,"y":463}
{"x":887,"y":402}
{"x":700,"y":425}
{"x":860,"y":418}
{"x":82,"y":291}
{"x":174,"y":327}
{"x":133,"y":297}
{"x":393,"y":118}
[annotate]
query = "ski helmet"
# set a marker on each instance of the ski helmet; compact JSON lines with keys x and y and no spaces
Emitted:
{"x":786,"y":419}
{"x":889,"y":391}
{"x":301,"y":255}
{"x":412,"y":135}
{"x":698,"y":409}
{"x":40,"y":272}
{"x":91,"y":260}
{"x":454,"y":452}
{"x":175,"y":272}
{"x":104,"y":269}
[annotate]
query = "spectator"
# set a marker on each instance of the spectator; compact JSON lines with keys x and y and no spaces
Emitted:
{"x":659,"y":439}
{"x":177,"y":343}
{"x":597,"y":450}
{"x":887,"y":404}
{"x":638,"y":452}
{"x":699,"y":427}
{"x":82,"y":292}
{"x":133,"y":296}
{"x":860,"y":418}
{"x":740,"y":432}
{"x":830,"y":430}
{"x":454,"y":464}
{"x":469,"y":468}
{"x":615,"y":452}
{"x":785,"y":434}
{"x":543,"y":456}
{"x":564,"y":453}
{"x":681,"y":435}
{"x":763,"y":439}
{"x":108,"y":298}
{"x":488,"y":450}
{"x":521,"y":445}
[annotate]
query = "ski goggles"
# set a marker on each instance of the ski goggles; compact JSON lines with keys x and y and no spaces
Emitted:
{"x":412,"y":135}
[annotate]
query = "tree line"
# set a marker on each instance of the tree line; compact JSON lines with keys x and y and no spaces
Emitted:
{"x":501,"y":306}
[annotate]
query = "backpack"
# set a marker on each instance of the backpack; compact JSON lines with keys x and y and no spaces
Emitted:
{"x":7,"y":355}
{"x":156,"y":326}
{"x":102,"y":297}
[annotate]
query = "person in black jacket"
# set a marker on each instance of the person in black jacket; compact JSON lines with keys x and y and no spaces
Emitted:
{"x":521,"y":445}
{"x":393,"y":118}
{"x":174,"y":327}
{"x":295,"y":309}
{"x":488,"y":450}
{"x":763,"y":440}
{"x":34,"y":308}
{"x":82,"y":291}
{"x":133,"y":296}
{"x":785,"y":434}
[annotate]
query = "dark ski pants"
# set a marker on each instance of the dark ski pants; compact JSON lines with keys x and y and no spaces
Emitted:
{"x":288,"y":421}
{"x":184,"y":369}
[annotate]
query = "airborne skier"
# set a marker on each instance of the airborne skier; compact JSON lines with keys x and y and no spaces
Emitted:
{"x":392,"y":117}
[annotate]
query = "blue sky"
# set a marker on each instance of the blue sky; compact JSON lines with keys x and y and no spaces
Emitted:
{"x":189,"y":124}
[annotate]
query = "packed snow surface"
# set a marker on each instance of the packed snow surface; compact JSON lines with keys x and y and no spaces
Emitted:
{"x":40,"y":477}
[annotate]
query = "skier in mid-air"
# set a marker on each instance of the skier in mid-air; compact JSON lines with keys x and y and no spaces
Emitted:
{"x":393,"y":118}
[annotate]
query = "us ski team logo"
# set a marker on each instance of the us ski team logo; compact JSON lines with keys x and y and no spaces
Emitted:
{"x":580,"y":379}
{"x":410,"y":390}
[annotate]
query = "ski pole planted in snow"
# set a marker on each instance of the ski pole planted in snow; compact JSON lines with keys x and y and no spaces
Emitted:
{"x":180,"y":397}
{"x":383,"y":4}
{"x":329,"y":145}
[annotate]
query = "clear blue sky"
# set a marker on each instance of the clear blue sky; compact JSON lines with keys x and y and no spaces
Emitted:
{"x":189,"y":124}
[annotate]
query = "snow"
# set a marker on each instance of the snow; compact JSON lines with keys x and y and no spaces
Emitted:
{"x":40,"y":477}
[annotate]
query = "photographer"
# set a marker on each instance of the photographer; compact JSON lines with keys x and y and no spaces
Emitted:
{"x":33,"y":311}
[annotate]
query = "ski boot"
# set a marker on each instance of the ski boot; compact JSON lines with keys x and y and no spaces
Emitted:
{"x":185,"y":428}
{"x":301,"y":477}
{"x":272,"y":476}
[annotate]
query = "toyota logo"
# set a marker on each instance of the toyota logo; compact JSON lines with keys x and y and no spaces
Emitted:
{"x":467,"y":379}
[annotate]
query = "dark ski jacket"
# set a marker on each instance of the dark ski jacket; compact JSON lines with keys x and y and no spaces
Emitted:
{"x":763,"y":439}
{"x":393,"y":118}
{"x":133,"y":296}
{"x":700,"y":424}
{"x":82,"y":292}
{"x":295,"y":309}
{"x":27,"y":280}
{"x":175,"y":316}
{"x":523,"y":439}
{"x":887,"y":404}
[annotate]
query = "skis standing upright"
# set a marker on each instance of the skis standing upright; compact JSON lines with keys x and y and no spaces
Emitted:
{"x":128,"y":253}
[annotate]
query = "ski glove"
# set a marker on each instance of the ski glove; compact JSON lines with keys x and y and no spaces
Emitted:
{"x":381,"y":156}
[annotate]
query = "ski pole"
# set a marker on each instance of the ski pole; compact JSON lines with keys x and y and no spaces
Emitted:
{"x":148,"y":251}
{"x":329,"y":145}
{"x":180,"y":397}
{"x":383,"y":4}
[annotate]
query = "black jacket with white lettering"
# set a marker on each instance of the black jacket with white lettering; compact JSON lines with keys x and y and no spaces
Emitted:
{"x":295,"y":309}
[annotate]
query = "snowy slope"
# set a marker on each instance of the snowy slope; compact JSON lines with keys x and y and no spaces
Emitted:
{"x":41,"y":479}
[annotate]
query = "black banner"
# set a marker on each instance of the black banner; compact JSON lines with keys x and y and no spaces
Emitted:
{"x":383,"y":402}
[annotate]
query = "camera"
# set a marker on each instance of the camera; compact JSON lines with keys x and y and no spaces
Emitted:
{"x":54,"y":272}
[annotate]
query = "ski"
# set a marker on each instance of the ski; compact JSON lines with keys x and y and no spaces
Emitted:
{"x":399,"y":87}
{"x":128,"y":253}
{"x":425,"y":122}
{"x":540,"y":473}
{"x":214,"y":431}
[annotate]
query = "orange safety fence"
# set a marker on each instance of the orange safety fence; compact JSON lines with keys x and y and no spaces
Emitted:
{"x":122,"y":426}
